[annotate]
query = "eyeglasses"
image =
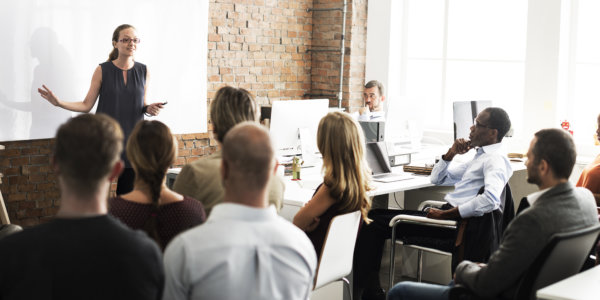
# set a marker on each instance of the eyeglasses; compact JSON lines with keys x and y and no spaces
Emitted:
{"x":479,"y":125}
{"x":127,"y":40}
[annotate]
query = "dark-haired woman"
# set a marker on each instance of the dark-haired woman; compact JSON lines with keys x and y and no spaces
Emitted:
{"x":152,"y":206}
{"x":121,"y":84}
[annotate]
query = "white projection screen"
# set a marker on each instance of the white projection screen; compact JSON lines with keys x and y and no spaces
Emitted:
{"x":59,"y":43}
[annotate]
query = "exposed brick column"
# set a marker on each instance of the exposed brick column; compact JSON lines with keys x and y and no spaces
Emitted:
{"x":326,"y":65}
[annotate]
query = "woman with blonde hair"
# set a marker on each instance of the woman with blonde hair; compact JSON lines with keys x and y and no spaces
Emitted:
{"x":152,"y":206}
{"x":346,"y":179}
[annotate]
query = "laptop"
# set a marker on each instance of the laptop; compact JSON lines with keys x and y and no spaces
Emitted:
{"x":378,"y":160}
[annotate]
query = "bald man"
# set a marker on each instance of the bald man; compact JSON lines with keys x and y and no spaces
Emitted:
{"x":244,"y":250}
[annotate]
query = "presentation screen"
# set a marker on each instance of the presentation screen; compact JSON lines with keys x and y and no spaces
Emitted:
{"x":59,"y":43}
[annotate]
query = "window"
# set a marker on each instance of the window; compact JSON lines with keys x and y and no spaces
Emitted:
{"x":580,"y":69}
{"x":456,"y":50}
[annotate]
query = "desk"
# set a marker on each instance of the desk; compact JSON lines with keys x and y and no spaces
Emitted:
{"x":297,"y":193}
{"x":583,"y":286}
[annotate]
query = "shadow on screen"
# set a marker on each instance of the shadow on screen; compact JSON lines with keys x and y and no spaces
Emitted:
{"x":55,"y":70}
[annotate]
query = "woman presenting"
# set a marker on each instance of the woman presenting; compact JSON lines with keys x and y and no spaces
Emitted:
{"x":121,"y":84}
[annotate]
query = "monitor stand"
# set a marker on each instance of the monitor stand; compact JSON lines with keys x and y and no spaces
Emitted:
{"x":307,"y":148}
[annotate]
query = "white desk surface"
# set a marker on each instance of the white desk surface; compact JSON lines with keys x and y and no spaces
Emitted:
{"x":583,"y":286}
{"x":297,"y":193}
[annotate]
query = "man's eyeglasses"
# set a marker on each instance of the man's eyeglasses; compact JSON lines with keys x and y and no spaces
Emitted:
{"x":127,"y":40}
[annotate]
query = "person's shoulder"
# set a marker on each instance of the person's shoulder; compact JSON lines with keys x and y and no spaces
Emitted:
{"x":198,"y":170}
{"x":292,"y":237}
{"x":29,"y":236}
{"x":122,"y":232}
{"x":203,"y":163}
{"x":290,"y":232}
{"x":193,"y":205}
{"x":584,"y":195}
{"x":112,"y":201}
{"x":194,"y":237}
{"x":140,"y":65}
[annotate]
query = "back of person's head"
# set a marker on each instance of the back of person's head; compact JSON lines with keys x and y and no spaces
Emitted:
{"x":499,"y":120}
{"x":249,"y":154}
{"x":86,"y":149}
{"x":347,"y":174}
{"x":230,"y":107}
{"x":375,"y":83}
{"x":151,"y":150}
{"x":557,"y":148}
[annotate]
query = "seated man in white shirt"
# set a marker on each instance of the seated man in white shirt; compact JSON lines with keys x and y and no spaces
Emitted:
{"x":490,"y":169}
{"x":373,"y":96}
{"x":244,"y":250}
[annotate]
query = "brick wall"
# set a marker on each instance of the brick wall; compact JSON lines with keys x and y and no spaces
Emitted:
{"x":259,"y":45}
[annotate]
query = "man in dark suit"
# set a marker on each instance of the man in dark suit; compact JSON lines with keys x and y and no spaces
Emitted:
{"x":557,"y":207}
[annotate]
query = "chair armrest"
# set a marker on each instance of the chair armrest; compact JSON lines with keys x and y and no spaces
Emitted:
{"x":421,"y":221}
{"x":431,"y":203}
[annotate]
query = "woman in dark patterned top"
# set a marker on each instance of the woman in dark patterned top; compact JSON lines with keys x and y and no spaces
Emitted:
{"x":121,"y":84}
{"x":152,"y":206}
{"x":346,"y":180}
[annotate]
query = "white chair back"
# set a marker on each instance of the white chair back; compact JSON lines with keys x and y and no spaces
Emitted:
{"x":335,"y":261}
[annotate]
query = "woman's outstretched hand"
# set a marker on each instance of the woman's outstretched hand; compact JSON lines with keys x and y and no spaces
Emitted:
{"x":47,"y":94}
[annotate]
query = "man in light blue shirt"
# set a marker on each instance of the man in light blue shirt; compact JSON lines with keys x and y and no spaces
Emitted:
{"x":244,"y":250}
{"x":489,"y":169}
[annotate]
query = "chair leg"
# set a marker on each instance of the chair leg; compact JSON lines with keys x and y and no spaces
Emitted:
{"x":347,"y":284}
{"x":419,"y":265}
{"x":392,"y":257}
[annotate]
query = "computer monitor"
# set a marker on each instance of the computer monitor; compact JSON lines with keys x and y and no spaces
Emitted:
{"x":374,"y":131}
{"x":464,"y":114}
{"x":377,"y":158}
{"x":294,"y":125}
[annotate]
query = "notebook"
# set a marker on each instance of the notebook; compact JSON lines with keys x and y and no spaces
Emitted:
{"x":378,"y":160}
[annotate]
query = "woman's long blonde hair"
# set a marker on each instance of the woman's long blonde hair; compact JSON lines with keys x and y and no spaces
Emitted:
{"x":347,"y":174}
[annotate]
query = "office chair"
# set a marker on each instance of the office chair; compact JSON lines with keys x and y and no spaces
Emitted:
{"x":335,"y":261}
{"x":560,"y":259}
{"x":471,"y":242}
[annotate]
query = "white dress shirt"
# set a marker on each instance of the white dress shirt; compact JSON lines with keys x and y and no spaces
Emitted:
{"x":375,"y":116}
{"x":240,"y":252}
{"x":490,"y":168}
